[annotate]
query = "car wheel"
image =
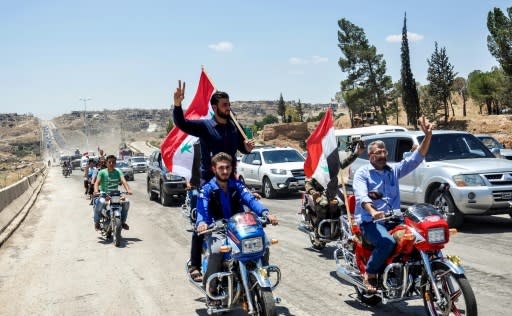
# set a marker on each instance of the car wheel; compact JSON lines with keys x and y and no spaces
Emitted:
{"x":165,"y":200}
{"x":268,"y":190}
{"x":446,"y":203}
{"x":152,"y":195}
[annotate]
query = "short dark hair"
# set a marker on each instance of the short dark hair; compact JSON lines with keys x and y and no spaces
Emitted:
{"x":217,"y":96}
{"x":221,"y":157}
{"x":111,"y":157}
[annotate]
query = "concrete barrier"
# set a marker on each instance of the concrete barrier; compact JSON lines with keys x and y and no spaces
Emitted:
{"x":15,"y":197}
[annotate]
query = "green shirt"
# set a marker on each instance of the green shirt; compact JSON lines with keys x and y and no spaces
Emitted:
{"x":109,"y":181}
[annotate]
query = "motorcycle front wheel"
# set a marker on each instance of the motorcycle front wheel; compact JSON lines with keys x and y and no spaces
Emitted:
{"x":263,"y":300}
{"x":457,"y":297}
{"x":116,"y":226}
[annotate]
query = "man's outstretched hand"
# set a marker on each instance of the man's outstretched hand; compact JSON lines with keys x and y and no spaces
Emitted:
{"x":425,"y":125}
{"x":179,"y":94}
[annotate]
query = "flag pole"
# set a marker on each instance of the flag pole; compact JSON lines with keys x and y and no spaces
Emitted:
{"x":230,"y":112}
{"x":349,"y":216}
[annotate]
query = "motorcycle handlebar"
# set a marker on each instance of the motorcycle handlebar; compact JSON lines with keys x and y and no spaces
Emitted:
{"x":391,"y":215}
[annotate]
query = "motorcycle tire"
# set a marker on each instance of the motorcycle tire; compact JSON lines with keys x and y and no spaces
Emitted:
{"x":263,"y":299}
{"x":368,"y":299}
{"x":446,"y":284}
{"x":446,"y":202}
{"x":117,"y":227}
{"x":317,"y":245}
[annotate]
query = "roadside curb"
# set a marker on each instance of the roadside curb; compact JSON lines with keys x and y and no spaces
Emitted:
{"x":20,"y":217}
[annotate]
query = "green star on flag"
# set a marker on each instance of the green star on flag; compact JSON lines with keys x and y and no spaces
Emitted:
{"x":186,"y":147}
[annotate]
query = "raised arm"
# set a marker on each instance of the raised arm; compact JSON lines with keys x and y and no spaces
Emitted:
{"x":191,"y":127}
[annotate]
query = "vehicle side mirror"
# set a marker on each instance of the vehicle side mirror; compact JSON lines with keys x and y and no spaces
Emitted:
{"x":256,"y":162}
{"x":375,"y":195}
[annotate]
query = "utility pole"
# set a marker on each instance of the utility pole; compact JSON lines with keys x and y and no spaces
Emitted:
{"x":84,"y":100}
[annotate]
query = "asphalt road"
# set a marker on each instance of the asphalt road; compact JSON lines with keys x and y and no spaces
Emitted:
{"x":56,"y":264}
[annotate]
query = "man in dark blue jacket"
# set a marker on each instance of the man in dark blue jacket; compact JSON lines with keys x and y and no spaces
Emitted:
{"x":218,"y":134}
{"x":221,"y":198}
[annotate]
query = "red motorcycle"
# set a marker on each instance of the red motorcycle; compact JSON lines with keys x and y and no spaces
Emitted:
{"x":417,"y":268}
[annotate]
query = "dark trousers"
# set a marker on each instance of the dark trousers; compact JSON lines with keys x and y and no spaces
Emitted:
{"x":195,"y":250}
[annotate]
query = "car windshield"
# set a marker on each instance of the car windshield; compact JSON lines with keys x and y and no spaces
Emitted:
{"x":490,"y":142}
{"x":455,"y":146}
{"x":279,"y":156}
{"x":121,"y":164}
{"x":138,"y":159}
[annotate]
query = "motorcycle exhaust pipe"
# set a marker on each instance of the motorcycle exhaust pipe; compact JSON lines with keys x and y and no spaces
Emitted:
{"x":350,"y":275}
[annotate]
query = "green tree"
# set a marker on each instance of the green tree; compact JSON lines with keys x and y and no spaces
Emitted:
{"x":461,"y":88}
{"x":365,"y":69}
{"x":170,"y":126}
{"x":281,"y":108}
{"x":300,"y":111}
{"x":483,"y":88}
{"x":499,"y":41}
{"x":409,"y":91}
{"x":441,"y":76}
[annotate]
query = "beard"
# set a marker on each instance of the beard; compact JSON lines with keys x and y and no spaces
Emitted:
{"x":223,"y":115}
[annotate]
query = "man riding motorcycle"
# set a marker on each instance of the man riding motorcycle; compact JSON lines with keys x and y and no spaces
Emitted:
{"x":108,"y":180}
{"x":220,"y":198}
{"x":323,"y":203}
{"x":379,"y":176}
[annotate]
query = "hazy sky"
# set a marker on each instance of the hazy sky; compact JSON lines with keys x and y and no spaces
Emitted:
{"x":132,"y":53}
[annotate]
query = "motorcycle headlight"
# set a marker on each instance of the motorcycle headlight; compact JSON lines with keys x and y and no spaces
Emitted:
{"x":468,"y":180}
{"x":115,"y":199}
{"x":278,"y":171}
{"x":436,"y":235}
{"x":252,"y":245}
{"x":171,"y":177}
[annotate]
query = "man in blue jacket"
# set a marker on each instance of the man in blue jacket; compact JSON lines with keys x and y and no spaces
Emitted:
{"x":217,"y":134}
{"x":221,"y":198}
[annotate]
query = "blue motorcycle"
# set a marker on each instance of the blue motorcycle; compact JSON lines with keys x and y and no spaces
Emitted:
{"x":246,"y":280}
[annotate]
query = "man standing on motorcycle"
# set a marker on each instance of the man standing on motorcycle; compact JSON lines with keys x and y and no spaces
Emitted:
{"x":318,"y":192}
{"x":217,"y":134}
{"x":108,"y":180}
{"x":379,"y":176}
{"x":221,"y":198}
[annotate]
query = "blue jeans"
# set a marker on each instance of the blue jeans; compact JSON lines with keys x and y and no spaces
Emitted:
{"x":99,"y":204}
{"x":383,"y":244}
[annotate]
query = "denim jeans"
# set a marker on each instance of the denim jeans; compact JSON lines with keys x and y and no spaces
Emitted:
{"x":99,"y":204}
{"x":383,"y":244}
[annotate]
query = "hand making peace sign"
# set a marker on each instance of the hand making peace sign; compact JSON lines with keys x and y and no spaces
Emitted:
{"x":179,"y":94}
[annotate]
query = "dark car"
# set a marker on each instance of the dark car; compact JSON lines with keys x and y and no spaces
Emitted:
{"x":161,"y":183}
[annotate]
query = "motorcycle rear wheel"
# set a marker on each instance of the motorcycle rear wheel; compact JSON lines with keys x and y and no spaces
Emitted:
{"x":452,"y":288}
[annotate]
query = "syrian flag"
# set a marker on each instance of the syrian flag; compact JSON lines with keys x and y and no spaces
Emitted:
{"x":323,"y":162}
{"x":178,"y":147}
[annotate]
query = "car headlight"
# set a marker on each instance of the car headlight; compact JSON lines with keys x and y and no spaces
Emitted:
{"x":172,"y":177}
{"x":252,"y":245}
{"x":436,"y":235}
{"x":278,"y":171}
{"x":468,"y":180}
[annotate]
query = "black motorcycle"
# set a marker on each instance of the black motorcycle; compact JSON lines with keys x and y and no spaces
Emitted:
{"x":321,"y":228}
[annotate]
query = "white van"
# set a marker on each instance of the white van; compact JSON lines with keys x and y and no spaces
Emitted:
{"x":346,"y":136}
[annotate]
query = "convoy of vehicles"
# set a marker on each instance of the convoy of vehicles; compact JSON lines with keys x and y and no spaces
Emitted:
{"x":161,"y":184}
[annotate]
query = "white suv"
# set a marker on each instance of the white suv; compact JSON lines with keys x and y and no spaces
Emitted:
{"x":480,"y":183}
{"x":274,"y":169}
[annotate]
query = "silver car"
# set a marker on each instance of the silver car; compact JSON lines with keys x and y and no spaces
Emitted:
{"x":497,"y":148}
{"x":480,"y":183}
{"x":126,"y":169}
{"x":138,"y":163}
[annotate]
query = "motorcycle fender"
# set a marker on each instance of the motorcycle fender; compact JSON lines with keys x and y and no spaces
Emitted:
{"x":454,"y":267}
{"x":261,"y":275}
{"x":117,"y":213}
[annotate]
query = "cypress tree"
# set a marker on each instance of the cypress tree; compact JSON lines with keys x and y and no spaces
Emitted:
{"x":409,"y":92}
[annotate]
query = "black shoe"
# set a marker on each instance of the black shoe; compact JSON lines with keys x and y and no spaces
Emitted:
{"x":125,"y":226}
{"x":97,"y":226}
